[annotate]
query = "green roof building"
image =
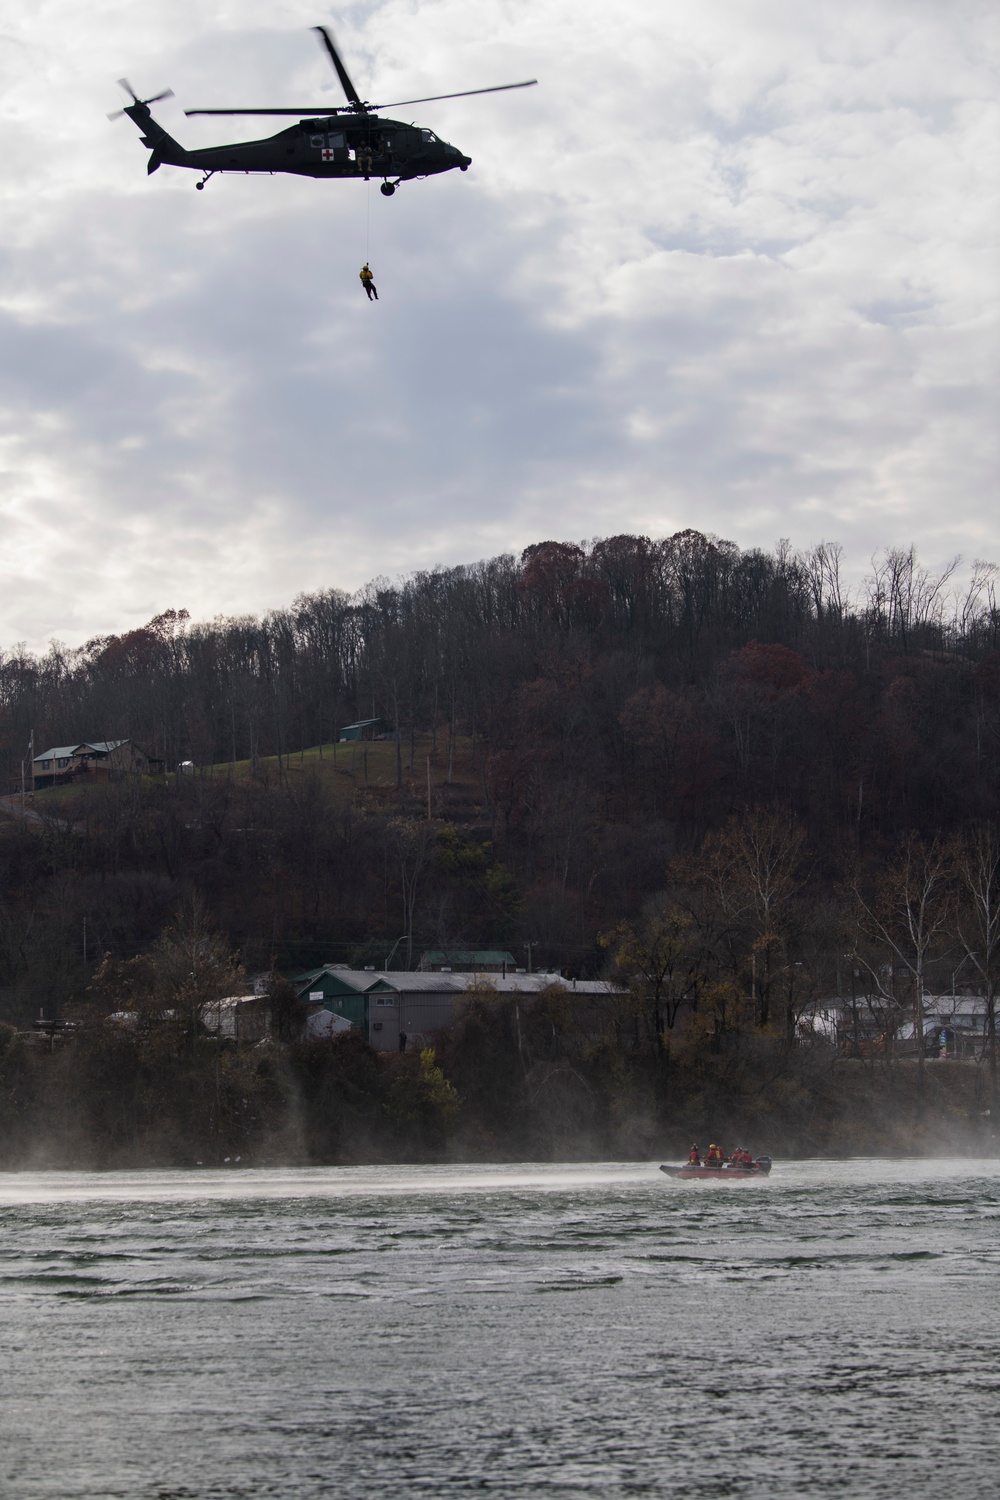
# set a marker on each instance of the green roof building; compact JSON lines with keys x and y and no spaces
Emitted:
{"x":338,"y":989}
{"x":469,"y":960}
{"x":364,"y":729}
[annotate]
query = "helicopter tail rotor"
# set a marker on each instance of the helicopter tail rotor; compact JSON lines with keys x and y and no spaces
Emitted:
{"x":163,"y":147}
{"x":127,"y":88}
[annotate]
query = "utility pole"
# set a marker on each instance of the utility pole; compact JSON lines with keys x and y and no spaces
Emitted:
{"x":31,"y":762}
{"x":428,"y":789}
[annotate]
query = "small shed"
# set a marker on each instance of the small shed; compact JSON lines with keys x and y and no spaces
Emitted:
{"x":364,"y":729}
{"x":323,"y":1025}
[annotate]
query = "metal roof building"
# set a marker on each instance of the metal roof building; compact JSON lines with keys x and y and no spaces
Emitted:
{"x":364,"y":729}
{"x":416,"y":1003}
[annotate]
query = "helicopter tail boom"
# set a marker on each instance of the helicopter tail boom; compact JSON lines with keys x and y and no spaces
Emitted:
{"x":162,"y":145}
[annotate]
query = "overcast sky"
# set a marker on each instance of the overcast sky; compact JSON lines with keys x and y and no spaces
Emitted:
{"x":732,"y":265}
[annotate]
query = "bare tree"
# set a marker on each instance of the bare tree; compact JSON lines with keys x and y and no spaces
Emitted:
{"x":905,"y":919}
{"x":755,"y":867}
{"x":977,"y":867}
{"x":904,"y":598}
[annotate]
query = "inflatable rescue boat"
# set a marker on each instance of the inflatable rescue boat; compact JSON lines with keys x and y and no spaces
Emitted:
{"x":726,"y":1173}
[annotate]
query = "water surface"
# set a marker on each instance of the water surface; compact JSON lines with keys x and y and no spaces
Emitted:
{"x":560,"y":1331}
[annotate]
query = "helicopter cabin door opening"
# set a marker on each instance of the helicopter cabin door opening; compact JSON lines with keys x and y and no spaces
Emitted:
{"x":331,"y":147}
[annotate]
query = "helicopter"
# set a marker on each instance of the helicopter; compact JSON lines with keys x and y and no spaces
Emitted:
{"x":349,"y":141}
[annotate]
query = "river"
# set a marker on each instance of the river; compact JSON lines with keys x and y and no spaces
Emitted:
{"x":594,"y":1331}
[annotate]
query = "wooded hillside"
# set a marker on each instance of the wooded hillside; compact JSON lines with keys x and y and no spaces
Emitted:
{"x":576,"y":722}
{"x":706,"y":773}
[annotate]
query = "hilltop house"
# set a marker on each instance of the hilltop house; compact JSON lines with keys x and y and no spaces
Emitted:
{"x":92,"y":760}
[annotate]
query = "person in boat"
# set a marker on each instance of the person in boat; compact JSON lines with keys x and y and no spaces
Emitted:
{"x":742,"y":1158}
{"x":714,"y":1157}
{"x":694,"y":1157}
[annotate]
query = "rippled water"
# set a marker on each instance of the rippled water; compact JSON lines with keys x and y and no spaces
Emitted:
{"x":578,"y":1331}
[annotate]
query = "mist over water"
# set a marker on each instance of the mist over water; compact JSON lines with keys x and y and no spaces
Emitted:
{"x":581,"y":1330}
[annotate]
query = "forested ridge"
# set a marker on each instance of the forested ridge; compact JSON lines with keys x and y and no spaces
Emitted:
{"x":592,"y":753}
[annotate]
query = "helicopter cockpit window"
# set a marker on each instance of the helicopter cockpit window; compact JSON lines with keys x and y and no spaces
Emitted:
{"x":337,"y":141}
{"x":428,"y":135}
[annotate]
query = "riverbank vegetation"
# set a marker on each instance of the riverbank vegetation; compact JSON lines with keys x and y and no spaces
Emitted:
{"x":509,"y":1082}
{"x":712,"y":775}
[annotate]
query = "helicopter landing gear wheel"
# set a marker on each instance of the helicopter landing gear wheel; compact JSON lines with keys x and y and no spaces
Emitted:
{"x":387,"y":189}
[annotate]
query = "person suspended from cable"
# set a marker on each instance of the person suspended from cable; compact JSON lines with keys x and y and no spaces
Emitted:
{"x":368,"y":282}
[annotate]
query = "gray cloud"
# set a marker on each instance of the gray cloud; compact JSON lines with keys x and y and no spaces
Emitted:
{"x":732,"y":266}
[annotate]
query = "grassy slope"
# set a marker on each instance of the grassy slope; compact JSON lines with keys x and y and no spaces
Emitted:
{"x":367,"y":772}
{"x":370,"y":771}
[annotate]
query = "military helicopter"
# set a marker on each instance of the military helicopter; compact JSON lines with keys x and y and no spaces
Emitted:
{"x":349,"y":141}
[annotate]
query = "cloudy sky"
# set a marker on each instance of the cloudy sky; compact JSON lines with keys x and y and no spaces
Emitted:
{"x":732,"y":265}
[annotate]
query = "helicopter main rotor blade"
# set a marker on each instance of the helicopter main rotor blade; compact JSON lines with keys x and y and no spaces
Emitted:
{"x":498,"y":88}
{"x":322,"y":112}
{"x":342,"y":73}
